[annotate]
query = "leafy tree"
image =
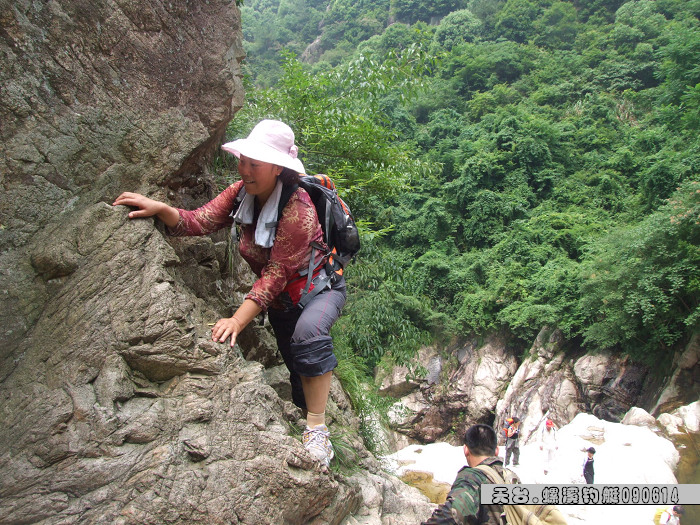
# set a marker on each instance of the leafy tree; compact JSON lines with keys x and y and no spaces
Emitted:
{"x":456,"y":28}
{"x":489,"y":101}
{"x":489,"y":214}
{"x":382,"y":316}
{"x":598,"y":11}
{"x":637,"y":21}
{"x":478,"y":67}
{"x":551,"y":301}
{"x":395,"y":38}
{"x":485,"y":9}
{"x":337,"y":134}
{"x":557,"y":27}
{"x":412,"y":11}
{"x":690,"y":100}
{"x":374,"y":325}
{"x":641,"y":282}
{"x":662,"y":175}
{"x":515,"y":20}
{"x":423,"y":224}
{"x":680,"y":60}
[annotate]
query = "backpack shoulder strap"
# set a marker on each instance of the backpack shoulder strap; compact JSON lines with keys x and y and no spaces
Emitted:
{"x":236,"y":204}
{"x":238,"y":200}
{"x":491,"y":473}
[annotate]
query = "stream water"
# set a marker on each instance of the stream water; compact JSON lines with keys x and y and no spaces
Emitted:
{"x":436,"y":491}
{"x":689,"y":472}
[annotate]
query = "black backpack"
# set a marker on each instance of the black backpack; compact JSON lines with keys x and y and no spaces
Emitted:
{"x":340,"y":232}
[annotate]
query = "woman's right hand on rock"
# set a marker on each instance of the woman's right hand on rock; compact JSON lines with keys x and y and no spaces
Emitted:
{"x":225,"y":328}
{"x":147,"y":208}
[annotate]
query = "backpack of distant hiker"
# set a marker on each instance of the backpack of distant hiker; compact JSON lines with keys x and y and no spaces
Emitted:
{"x":508,"y":423}
{"x":340,"y":232}
{"x":523,"y":514}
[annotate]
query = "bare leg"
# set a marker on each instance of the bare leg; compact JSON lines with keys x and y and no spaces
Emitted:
{"x":316,"y":391}
{"x":316,"y":437}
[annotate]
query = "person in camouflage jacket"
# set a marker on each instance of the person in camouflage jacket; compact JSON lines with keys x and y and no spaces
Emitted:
{"x":463,"y":504}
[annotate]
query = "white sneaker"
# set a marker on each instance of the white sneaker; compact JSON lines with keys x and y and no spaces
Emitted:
{"x":317,"y":441}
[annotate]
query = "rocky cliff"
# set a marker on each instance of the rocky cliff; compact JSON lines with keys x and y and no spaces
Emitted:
{"x":489,"y":380}
{"x":115,"y":405}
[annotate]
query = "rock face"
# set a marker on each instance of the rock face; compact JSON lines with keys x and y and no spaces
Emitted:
{"x":558,"y":383}
{"x":487,"y":382}
{"x":684,"y":385}
{"x":543,"y":384}
{"x":115,"y":405}
{"x":98,"y":98}
{"x":472,"y":380}
{"x":399,"y":381}
{"x":683,"y":420}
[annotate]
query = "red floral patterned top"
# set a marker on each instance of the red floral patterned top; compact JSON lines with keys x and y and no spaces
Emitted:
{"x":277,"y":267}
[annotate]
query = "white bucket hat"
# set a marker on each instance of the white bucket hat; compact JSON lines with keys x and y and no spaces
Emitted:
{"x":270,"y":141}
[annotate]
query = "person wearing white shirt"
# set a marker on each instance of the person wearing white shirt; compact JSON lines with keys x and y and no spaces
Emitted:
{"x":548,"y":443}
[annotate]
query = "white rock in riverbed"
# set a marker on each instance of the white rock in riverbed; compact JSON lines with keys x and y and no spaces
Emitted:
{"x":625,"y":454}
{"x":683,"y":419}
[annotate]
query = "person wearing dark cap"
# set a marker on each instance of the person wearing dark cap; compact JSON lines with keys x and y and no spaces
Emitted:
{"x":669,"y":516}
{"x":588,"y":471}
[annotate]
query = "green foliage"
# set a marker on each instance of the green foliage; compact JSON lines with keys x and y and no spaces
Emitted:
{"x":665,"y":171}
{"x":412,"y":11}
{"x":512,"y":162}
{"x":395,"y":38}
{"x":457,"y":28}
{"x":376,"y":326}
{"x":690,"y":101}
{"x":353,"y":373}
{"x":488,"y":102}
{"x":597,"y":11}
{"x":637,"y":21}
{"x":441,"y":278}
{"x":485,"y":9}
{"x":339,"y":122}
{"x":641,"y":283}
{"x":295,"y":24}
{"x":557,"y":27}
{"x":379,"y":317}
{"x":515,"y":20}
{"x":680,"y":59}
{"x":424,"y":224}
{"x":478,"y":67}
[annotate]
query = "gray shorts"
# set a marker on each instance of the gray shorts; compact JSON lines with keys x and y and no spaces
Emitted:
{"x":303,"y":337}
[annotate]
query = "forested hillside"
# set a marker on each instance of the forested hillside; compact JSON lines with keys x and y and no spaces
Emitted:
{"x":515,"y":163}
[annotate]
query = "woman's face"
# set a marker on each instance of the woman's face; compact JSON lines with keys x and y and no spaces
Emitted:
{"x":258,"y":177}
